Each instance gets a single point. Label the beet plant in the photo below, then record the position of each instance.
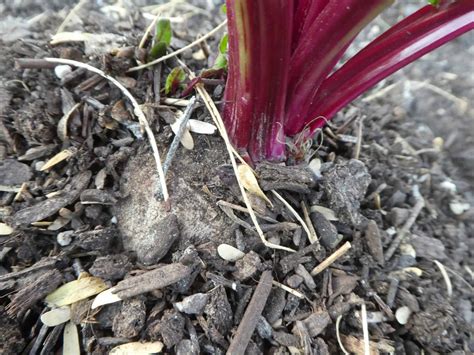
(281, 82)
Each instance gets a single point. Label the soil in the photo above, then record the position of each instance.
(97, 211)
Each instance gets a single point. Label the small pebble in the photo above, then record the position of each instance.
(458, 208)
(403, 315)
(62, 70)
(326, 231)
(65, 238)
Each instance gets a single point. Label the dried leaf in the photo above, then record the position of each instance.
(5, 229)
(62, 155)
(137, 348)
(71, 344)
(56, 316)
(106, 297)
(249, 181)
(229, 253)
(75, 291)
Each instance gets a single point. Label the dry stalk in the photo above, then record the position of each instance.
(312, 237)
(331, 258)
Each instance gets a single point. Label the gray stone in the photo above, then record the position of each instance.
(161, 237)
(325, 230)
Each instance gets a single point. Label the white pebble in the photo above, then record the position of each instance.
(458, 208)
(403, 315)
(62, 70)
(229, 253)
(65, 238)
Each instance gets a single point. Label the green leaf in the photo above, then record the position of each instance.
(158, 50)
(224, 9)
(223, 43)
(174, 80)
(434, 2)
(221, 62)
(163, 32)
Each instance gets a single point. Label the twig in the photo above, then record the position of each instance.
(70, 14)
(312, 237)
(33, 63)
(365, 329)
(405, 229)
(181, 50)
(308, 222)
(224, 203)
(136, 109)
(447, 280)
(177, 138)
(214, 112)
(252, 314)
(331, 258)
(290, 290)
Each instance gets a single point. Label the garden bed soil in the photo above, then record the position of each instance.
(404, 206)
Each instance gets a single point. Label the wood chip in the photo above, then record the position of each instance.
(252, 314)
(61, 156)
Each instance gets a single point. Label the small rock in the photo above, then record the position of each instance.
(247, 266)
(344, 186)
(325, 230)
(131, 319)
(111, 267)
(398, 216)
(99, 240)
(14, 173)
(402, 315)
(458, 208)
(308, 279)
(294, 281)
(407, 255)
(193, 304)
(65, 238)
(162, 235)
(374, 242)
(317, 322)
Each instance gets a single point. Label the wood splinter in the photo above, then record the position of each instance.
(252, 314)
(331, 258)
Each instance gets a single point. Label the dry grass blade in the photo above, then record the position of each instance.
(136, 109)
(148, 30)
(71, 13)
(181, 50)
(365, 329)
(447, 280)
(214, 112)
(289, 290)
(311, 236)
(338, 335)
